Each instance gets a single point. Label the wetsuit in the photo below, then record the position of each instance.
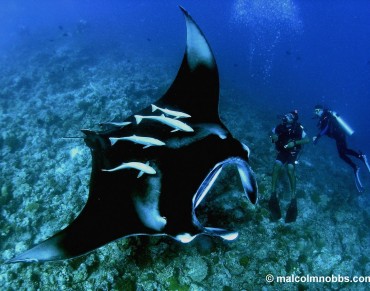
(329, 126)
(287, 133)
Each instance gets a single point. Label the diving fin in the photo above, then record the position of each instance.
(274, 207)
(364, 159)
(291, 214)
(358, 183)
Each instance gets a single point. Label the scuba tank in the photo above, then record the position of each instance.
(347, 129)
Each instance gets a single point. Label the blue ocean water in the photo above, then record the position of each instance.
(66, 65)
(309, 53)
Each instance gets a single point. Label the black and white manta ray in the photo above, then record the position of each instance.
(150, 172)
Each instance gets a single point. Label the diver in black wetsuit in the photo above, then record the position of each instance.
(329, 125)
(288, 137)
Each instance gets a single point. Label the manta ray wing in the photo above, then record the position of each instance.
(120, 204)
(196, 87)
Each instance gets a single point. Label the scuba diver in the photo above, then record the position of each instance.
(332, 125)
(288, 138)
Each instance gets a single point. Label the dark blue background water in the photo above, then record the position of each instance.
(280, 55)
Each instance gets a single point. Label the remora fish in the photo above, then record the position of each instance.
(176, 124)
(176, 114)
(146, 141)
(143, 168)
(119, 205)
(115, 124)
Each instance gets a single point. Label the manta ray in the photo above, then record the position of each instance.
(136, 190)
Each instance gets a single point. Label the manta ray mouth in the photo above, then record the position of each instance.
(249, 187)
(246, 177)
